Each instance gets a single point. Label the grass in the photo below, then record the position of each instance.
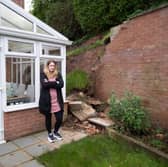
(100, 151)
(82, 49)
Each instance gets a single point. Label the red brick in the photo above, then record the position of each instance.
(19, 2)
(137, 60)
(24, 122)
(20, 123)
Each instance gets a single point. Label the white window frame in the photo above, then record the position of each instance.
(1, 92)
(37, 55)
(52, 45)
(61, 58)
(23, 55)
(9, 53)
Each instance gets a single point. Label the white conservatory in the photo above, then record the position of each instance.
(26, 43)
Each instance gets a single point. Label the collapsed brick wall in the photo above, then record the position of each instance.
(137, 60)
(19, 2)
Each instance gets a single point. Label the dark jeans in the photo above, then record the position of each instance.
(48, 122)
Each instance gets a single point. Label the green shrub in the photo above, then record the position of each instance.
(77, 80)
(157, 143)
(75, 18)
(59, 14)
(96, 16)
(129, 111)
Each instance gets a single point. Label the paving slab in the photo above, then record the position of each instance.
(1, 165)
(79, 136)
(83, 112)
(67, 133)
(40, 133)
(21, 152)
(14, 159)
(66, 141)
(55, 145)
(7, 148)
(101, 121)
(75, 105)
(37, 149)
(26, 141)
(32, 163)
(41, 136)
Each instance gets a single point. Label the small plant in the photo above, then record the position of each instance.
(158, 130)
(157, 143)
(129, 111)
(77, 80)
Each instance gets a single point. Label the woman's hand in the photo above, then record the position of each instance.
(45, 80)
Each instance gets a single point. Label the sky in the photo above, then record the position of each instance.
(28, 5)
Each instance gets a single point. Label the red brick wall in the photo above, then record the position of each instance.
(20, 123)
(137, 60)
(19, 2)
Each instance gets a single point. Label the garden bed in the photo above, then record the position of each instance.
(116, 135)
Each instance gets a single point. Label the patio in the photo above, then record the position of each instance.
(21, 152)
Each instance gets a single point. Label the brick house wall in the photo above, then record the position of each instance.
(20, 123)
(25, 122)
(137, 60)
(19, 2)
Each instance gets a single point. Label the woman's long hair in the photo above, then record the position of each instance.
(48, 73)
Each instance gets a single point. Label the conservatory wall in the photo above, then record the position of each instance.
(22, 61)
(26, 44)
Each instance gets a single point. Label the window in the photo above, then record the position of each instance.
(41, 31)
(13, 20)
(20, 80)
(51, 50)
(23, 63)
(23, 47)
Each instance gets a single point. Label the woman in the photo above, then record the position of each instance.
(51, 100)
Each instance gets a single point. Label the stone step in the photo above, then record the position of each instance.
(101, 121)
(75, 105)
(81, 110)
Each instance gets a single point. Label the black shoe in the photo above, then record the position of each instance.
(57, 136)
(51, 138)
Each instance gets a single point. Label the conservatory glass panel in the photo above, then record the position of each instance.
(13, 20)
(22, 47)
(51, 50)
(20, 80)
(41, 31)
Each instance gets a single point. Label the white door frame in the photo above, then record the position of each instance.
(1, 89)
(1, 120)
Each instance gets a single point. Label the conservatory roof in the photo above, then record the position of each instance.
(15, 21)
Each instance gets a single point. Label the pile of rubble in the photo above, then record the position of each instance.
(87, 114)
